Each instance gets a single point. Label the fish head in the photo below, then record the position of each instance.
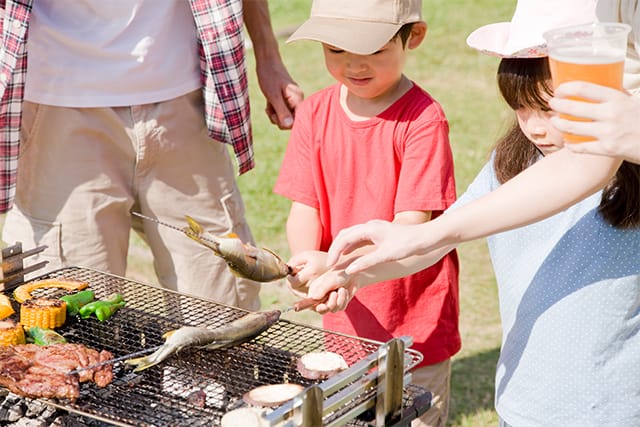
(272, 316)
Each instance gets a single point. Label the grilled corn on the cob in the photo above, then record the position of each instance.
(43, 312)
(11, 333)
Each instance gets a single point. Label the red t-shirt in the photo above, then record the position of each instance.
(355, 171)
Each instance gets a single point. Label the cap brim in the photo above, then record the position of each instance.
(362, 38)
(493, 40)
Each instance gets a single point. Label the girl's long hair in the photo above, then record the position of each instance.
(527, 83)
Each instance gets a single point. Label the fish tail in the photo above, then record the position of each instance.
(194, 226)
(195, 231)
(144, 362)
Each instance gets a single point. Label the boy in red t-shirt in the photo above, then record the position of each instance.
(374, 146)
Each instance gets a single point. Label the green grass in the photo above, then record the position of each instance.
(463, 81)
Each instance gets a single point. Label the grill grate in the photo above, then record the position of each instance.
(194, 385)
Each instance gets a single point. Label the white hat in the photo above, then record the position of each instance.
(522, 37)
(357, 26)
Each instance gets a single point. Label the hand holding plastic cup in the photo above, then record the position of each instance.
(593, 52)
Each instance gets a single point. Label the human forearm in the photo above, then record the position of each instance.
(544, 189)
(551, 185)
(304, 233)
(258, 23)
(340, 287)
(304, 230)
(282, 93)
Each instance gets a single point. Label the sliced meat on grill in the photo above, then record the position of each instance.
(67, 357)
(103, 375)
(33, 371)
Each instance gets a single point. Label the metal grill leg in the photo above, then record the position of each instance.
(312, 407)
(390, 382)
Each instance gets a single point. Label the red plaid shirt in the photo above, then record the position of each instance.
(223, 72)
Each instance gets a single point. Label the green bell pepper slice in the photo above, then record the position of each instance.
(103, 309)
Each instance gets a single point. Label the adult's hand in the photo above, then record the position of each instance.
(283, 95)
(392, 242)
(614, 119)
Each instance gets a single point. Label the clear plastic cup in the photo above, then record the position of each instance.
(593, 52)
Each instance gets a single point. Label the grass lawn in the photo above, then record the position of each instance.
(463, 81)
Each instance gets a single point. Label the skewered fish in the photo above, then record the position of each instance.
(233, 333)
(245, 260)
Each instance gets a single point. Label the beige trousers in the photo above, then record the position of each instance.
(435, 378)
(82, 170)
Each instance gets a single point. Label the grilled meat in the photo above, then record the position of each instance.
(33, 371)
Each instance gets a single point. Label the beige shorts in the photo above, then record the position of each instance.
(435, 378)
(82, 170)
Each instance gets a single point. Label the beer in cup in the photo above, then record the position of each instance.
(592, 52)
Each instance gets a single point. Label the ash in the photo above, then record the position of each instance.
(16, 411)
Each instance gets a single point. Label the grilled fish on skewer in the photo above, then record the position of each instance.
(244, 260)
(234, 333)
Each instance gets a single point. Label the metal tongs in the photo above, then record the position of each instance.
(115, 360)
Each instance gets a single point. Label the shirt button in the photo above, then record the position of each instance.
(16, 24)
(3, 78)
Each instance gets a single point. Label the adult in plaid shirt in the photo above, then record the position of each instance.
(115, 107)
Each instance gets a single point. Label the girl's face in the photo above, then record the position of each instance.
(536, 125)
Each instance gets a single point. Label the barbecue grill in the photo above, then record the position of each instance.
(199, 386)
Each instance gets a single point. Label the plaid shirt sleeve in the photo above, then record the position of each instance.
(222, 63)
(13, 68)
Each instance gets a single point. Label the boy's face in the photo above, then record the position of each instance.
(536, 125)
(367, 76)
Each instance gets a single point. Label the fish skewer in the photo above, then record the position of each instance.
(244, 260)
(306, 303)
(233, 333)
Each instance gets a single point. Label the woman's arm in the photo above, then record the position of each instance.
(546, 188)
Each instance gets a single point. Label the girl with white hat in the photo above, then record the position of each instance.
(568, 285)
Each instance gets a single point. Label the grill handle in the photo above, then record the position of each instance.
(13, 269)
(388, 379)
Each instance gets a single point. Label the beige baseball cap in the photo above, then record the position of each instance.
(357, 26)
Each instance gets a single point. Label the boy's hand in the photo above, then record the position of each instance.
(340, 287)
(306, 265)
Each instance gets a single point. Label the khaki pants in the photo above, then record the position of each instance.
(82, 170)
(435, 378)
